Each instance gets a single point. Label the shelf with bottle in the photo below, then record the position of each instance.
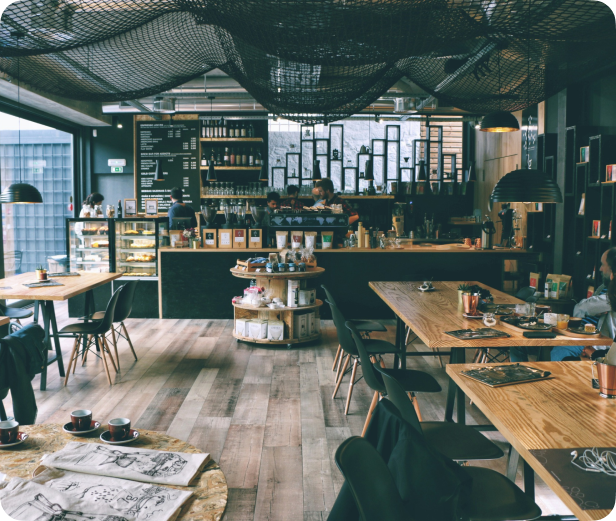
(232, 139)
(232, 158)
(226, 129)
(233, 167)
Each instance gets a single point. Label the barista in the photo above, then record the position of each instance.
(94, 199)
(180, 209)
(292, 199)
(325, 189)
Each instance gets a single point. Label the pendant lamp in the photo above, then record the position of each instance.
(526, 186)
(369, 170)
(316, 171)
(211, 173)
(158, 171)
(501, 120)
(263, 174)
(20, 193)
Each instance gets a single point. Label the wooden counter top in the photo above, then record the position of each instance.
(444, 248)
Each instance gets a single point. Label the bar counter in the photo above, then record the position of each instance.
(198, 283)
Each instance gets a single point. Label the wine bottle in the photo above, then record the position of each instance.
(251, 158)
(203, 127)
(226, 157)
(203, 159)
(244, 157)
(119, 208)
(251, 130)
(223, 127)
(258, 159)
(232, 157)
(243, 131)
(231, 129)
(219, 158)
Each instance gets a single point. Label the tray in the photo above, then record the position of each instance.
(500, 375)
(477, 334)
(513, 323)
(243, 265)
(575, 333)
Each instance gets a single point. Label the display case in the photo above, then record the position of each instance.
(136, 246)
(89, 245)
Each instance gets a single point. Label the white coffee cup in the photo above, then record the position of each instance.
(550, 319)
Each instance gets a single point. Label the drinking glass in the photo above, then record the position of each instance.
(563, 321)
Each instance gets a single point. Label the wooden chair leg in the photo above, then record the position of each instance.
(339, 381)
(340, 358)
(85, 353)
(130, 344)
(336, 357)
(375, 400)
(102, 351)
(115, 347)
(105, 347)
(416, 405)
(71, 360)
(351, 383)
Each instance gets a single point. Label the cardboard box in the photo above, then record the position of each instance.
(534, 280)
(209, 238)
(255, 238)
(225, 238)
(275, 330)
(300, 326)
(313, 296)
(239, 238)
(258, 329)
(293, 293)
(242, 327)
(304, 297)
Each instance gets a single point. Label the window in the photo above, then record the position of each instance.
(41, 156)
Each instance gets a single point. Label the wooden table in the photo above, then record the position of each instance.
(560, 413)
(13, 288)
(209, 490)
(432, 313)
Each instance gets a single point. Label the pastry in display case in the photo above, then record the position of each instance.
(136, 246)
(89, 245)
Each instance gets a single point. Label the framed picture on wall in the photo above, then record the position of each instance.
(130, 207)
(151, 207)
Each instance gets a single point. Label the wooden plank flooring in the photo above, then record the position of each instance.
(265, 414)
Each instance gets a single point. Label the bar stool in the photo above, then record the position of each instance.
(95, 332)
(364, 326)
(411, 381)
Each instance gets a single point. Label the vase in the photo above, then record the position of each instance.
(195, 244)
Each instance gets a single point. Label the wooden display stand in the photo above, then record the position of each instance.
(276, 283)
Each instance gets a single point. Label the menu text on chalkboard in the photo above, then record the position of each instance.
(176, 145)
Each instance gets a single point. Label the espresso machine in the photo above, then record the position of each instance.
(397, 219)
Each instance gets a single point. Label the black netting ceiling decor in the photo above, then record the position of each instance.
(311, 60)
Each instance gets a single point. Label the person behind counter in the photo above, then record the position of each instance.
(292, 199)
(180, 209)
(273, 202)
(325, 188)
(94, 199)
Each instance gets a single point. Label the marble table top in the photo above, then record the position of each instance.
(209, 490)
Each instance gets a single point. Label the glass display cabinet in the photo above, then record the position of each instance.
(136, 246)
(89, 245)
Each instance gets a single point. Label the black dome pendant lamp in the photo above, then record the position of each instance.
(501, 120)
(20, 193)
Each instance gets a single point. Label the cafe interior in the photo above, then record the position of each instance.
(307, 261)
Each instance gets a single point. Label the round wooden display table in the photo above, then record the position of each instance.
(276, 284)
(210, 492)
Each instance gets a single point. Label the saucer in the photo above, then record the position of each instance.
(424, 289)
(132, 436)
(68, 428)
(21, 437)
(465, 315)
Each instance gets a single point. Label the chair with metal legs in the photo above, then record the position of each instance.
(122, 312)
(374, 347)
(411, 381)
(455, 441)
(364, 326)
(95, 333)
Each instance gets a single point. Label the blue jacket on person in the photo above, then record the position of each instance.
(178, 209)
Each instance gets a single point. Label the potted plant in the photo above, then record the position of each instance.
(462, 288)
(191, 235)
(41, 273)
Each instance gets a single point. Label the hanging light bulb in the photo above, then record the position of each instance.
(20, 193)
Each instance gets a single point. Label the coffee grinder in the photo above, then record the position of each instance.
(255, 234)
(208, 231)
(397, 219)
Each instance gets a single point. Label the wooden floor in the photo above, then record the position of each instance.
(265, 414)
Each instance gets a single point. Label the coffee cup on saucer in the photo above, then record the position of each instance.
(9, 430)
(81, 419)
(119, 428)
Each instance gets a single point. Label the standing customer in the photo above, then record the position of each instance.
(180, 209)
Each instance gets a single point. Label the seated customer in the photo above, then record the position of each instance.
(325, 188)
(292, 199)
(593, 310)
(180, 209)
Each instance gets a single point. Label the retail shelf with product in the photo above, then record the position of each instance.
(136, 243)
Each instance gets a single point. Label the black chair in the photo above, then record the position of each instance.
(374, 348)
(492, 496)
(364, 326)
(410, 380)
(122, 312)
(526, 294)
(455, 441)
(95, 335)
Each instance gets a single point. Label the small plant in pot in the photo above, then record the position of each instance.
(41, 273)
(462, 288)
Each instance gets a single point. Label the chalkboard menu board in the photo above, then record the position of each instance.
(176, 144)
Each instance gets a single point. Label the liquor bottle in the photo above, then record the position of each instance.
(203, 159)
(226, 157)
(258, 159)
(251, 158)
(223, 127)
(243, 130)
(244, 157)
(251, 130)
(219, 158)
(119, 208)
(203, 127)
(212, 158)
(232, 157)
(231, 129)
(206, 129)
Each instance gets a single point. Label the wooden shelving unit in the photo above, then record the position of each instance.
(277, 285)
(231, 139)
(233, 167)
